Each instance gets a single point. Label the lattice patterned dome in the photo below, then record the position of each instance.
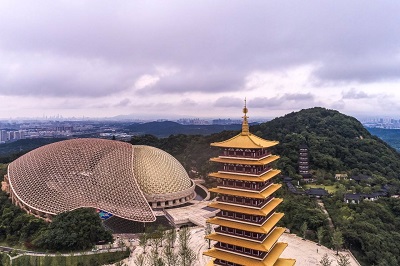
(110, 175)
(168, 177)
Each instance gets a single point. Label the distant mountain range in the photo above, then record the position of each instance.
(167, 128)
(390, 136)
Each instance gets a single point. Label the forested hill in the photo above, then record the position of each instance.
(337, 143)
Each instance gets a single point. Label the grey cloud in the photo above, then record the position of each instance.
(338, 105)
(188, 103)
(100, 105)
(227, 101)
(47, 75)
(266, 102)
(215, 44)
(381, 67)
(297, 100)
(124, 102)
(354, 94)
(298, 96)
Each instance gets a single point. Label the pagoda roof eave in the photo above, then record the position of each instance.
(261, 212)
(245, 141)
(263, 229)
(284, 262)
(256, 195)
(265, 177)
(242, 161)
(270, 260)
(265, 246)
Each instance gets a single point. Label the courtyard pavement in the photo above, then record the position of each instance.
(306, 253)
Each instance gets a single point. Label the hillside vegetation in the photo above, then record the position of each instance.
(12, 150)
(338, 144)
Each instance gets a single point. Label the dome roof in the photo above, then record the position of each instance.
(110, 175)
(158, 172)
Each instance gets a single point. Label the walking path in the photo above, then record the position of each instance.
(322, 206)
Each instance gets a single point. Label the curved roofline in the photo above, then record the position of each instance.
(12, 190)
(245, 141)
(129, 209)
(173, 195)
(14, 193)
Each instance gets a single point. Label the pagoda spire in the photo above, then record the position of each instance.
(245, 124)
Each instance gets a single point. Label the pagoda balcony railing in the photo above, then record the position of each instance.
(244, 170)
(246, 155)
(246, 218)
(242, 234)
(245, 202)
(241, 251)
(303, 154)
(250, 186)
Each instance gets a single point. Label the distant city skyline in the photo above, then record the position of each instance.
(179, 59)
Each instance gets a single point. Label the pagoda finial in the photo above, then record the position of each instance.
(245, 124)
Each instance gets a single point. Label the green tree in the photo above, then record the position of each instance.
(155, 259)
(140, 260)
(208, 231)
(75, 230)
(156, 238)
(143, 240)
(186, 254)
(320, 234)
(303, 229)
(343, 260)
(169, 255)
(170, 237)
(325, 261)
(337, 240)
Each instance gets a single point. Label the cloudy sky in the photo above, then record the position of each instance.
(184, 58)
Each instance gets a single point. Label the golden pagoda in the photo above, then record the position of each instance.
(246, 232)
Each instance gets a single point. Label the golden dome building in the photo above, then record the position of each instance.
(128, 181)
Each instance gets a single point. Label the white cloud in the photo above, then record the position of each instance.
(146, 81)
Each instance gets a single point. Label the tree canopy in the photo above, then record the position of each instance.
(75, 230)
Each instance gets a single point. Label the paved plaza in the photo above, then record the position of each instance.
(197, 214)
(306, 253)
